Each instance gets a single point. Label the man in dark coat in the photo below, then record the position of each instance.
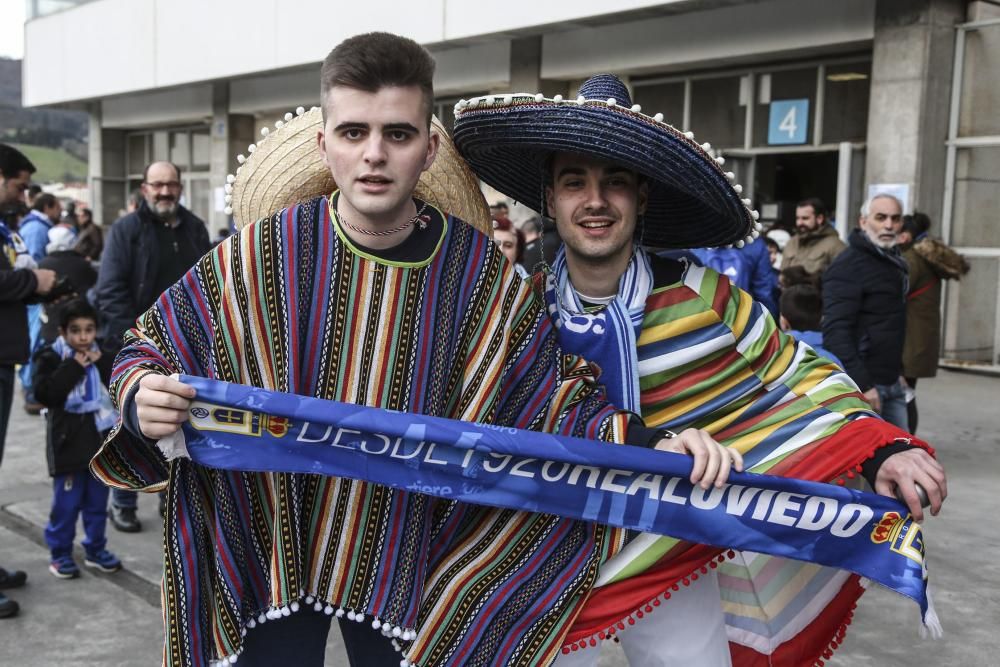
(864, 307)
(20, 281)
(145, 252)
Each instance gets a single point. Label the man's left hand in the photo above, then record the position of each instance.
(904, 469)
(712, 461)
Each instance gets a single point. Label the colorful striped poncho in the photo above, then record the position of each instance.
(290, 304)
(709, 357)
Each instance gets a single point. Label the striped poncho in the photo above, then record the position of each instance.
(710, 357)
(290, 304)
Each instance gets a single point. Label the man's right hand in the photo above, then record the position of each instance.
(46, 279)
(162, 404)
(872, 397)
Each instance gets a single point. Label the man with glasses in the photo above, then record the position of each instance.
(146, 252)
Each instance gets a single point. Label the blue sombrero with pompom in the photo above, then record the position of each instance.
(693, 201)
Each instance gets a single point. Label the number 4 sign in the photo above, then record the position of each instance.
(788, 122)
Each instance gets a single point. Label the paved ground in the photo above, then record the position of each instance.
(111, 620)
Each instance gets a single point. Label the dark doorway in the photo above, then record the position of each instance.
(783, 180)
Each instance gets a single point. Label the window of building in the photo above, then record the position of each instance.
(846, 89)
(716, 113)
(785, 86)
(714, 105)
(666, 98)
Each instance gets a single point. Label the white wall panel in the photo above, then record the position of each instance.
(111, 47)
(304, 31)
(100, 48)
(199, 41)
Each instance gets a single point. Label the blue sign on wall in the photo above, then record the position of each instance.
(788, 122)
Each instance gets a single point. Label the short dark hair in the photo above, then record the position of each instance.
(376, 60)
(802, 306)
(34, 190)
(13, 162)
(145, 172)
(44, 201)
(77, 309)
(917, 224)
(797, 275)
(818, 207)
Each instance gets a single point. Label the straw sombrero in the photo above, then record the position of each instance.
(693, 201)
(284, 168)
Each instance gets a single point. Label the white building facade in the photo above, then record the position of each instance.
(804, 97)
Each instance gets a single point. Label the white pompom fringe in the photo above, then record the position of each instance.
(932, 624)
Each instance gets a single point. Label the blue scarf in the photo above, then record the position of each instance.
(606, 337)
(236, 427)
(89, 395)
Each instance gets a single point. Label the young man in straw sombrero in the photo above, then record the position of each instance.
(363, 288)
(680, 346)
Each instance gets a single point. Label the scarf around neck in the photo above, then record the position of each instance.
(89, 395)
(607, 336)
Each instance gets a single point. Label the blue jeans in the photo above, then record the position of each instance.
(123, 499)
(74, 494)
(893, 397)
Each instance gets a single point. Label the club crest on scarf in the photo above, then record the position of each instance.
(205, 417)
(903, 535)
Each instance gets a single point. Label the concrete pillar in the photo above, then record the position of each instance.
(912, 62)
(230, 135)
(526, 69)
(106, 175)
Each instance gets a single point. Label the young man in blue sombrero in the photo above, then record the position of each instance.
(679, 345)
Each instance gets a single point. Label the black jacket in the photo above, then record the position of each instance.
(125, 285)
(864, 311)
(75, 268)
(16, 288)
(544, 247)
(71, 439)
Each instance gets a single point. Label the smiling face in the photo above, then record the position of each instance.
(376, 145)
(883, 222)
(80, 333)
(595, 204)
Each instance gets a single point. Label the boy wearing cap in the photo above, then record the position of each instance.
(370, 295)
(679, 345)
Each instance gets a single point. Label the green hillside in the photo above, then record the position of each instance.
(54, 166)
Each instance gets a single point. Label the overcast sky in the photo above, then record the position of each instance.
(12, 28)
